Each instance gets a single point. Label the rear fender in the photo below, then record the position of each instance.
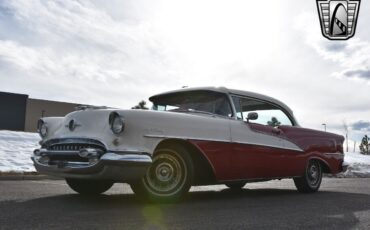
(324, 164)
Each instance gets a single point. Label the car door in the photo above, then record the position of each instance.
(260, 149)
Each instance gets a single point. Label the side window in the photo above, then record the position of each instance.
(268, 114)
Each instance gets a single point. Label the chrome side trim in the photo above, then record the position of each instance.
(182, 137)
(270, 146)
(237, 142)
(334, 154)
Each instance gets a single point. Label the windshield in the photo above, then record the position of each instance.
(194, 101)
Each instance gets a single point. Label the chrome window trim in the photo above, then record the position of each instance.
(287, 113)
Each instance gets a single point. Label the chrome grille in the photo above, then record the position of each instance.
(73, 144)
(68, 149)
(74, 147)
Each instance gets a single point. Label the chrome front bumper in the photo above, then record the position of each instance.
(120, 167)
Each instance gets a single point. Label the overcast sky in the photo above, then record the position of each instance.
(116, 54)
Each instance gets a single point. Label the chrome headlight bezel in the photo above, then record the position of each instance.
(42, 128)
(116, 123)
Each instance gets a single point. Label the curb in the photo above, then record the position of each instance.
(26, 176)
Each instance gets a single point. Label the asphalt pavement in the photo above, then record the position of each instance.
(50, 204)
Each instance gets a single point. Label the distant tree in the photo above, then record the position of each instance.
(274, 122)
(141, 105)
(365, 145)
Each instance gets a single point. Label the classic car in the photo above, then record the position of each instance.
(191, 136)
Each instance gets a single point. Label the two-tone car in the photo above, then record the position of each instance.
(191, 136)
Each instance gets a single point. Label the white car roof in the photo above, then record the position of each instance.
(229, 91)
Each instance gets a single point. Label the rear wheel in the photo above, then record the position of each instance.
(89, 187)
(169, 177)
(235, 185)
(311, 180)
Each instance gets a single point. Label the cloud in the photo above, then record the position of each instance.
(80, 45)
(361, 126)
(360, 73)
(119, 53)
(336, 47)
(74, 51)
(353, 56)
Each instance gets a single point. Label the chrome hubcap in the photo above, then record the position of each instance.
(164, 172)
(313, 173)
(166, 175)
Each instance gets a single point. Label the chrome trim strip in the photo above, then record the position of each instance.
(271, 146)
(127, 158)
(334, 154)
(181, 137)
(237, 142)
(58, 152)
(68, 164)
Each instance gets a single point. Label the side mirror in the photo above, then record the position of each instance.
(252, 116)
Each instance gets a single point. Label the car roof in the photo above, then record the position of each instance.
(228, 91)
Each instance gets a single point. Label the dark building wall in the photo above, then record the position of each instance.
(42, 108)
(13, 111)
(20, 113)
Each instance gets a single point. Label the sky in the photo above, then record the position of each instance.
(117, 54)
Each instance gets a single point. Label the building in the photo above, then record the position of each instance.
(13, 111)
(21, 113)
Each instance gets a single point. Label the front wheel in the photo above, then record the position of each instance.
(169, 177)
(311, 180)
(89, 187)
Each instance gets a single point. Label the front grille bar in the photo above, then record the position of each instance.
(73, 147)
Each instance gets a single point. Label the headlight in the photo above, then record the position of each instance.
(42, 129)
(117, 123)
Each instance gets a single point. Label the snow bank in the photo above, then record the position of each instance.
(359, 165)
(16, 149)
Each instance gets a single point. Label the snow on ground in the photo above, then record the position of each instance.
(16, 149)
(359, 165)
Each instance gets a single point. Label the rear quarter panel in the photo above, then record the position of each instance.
(324, 146)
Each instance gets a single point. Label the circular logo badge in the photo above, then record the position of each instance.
(72, 125)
